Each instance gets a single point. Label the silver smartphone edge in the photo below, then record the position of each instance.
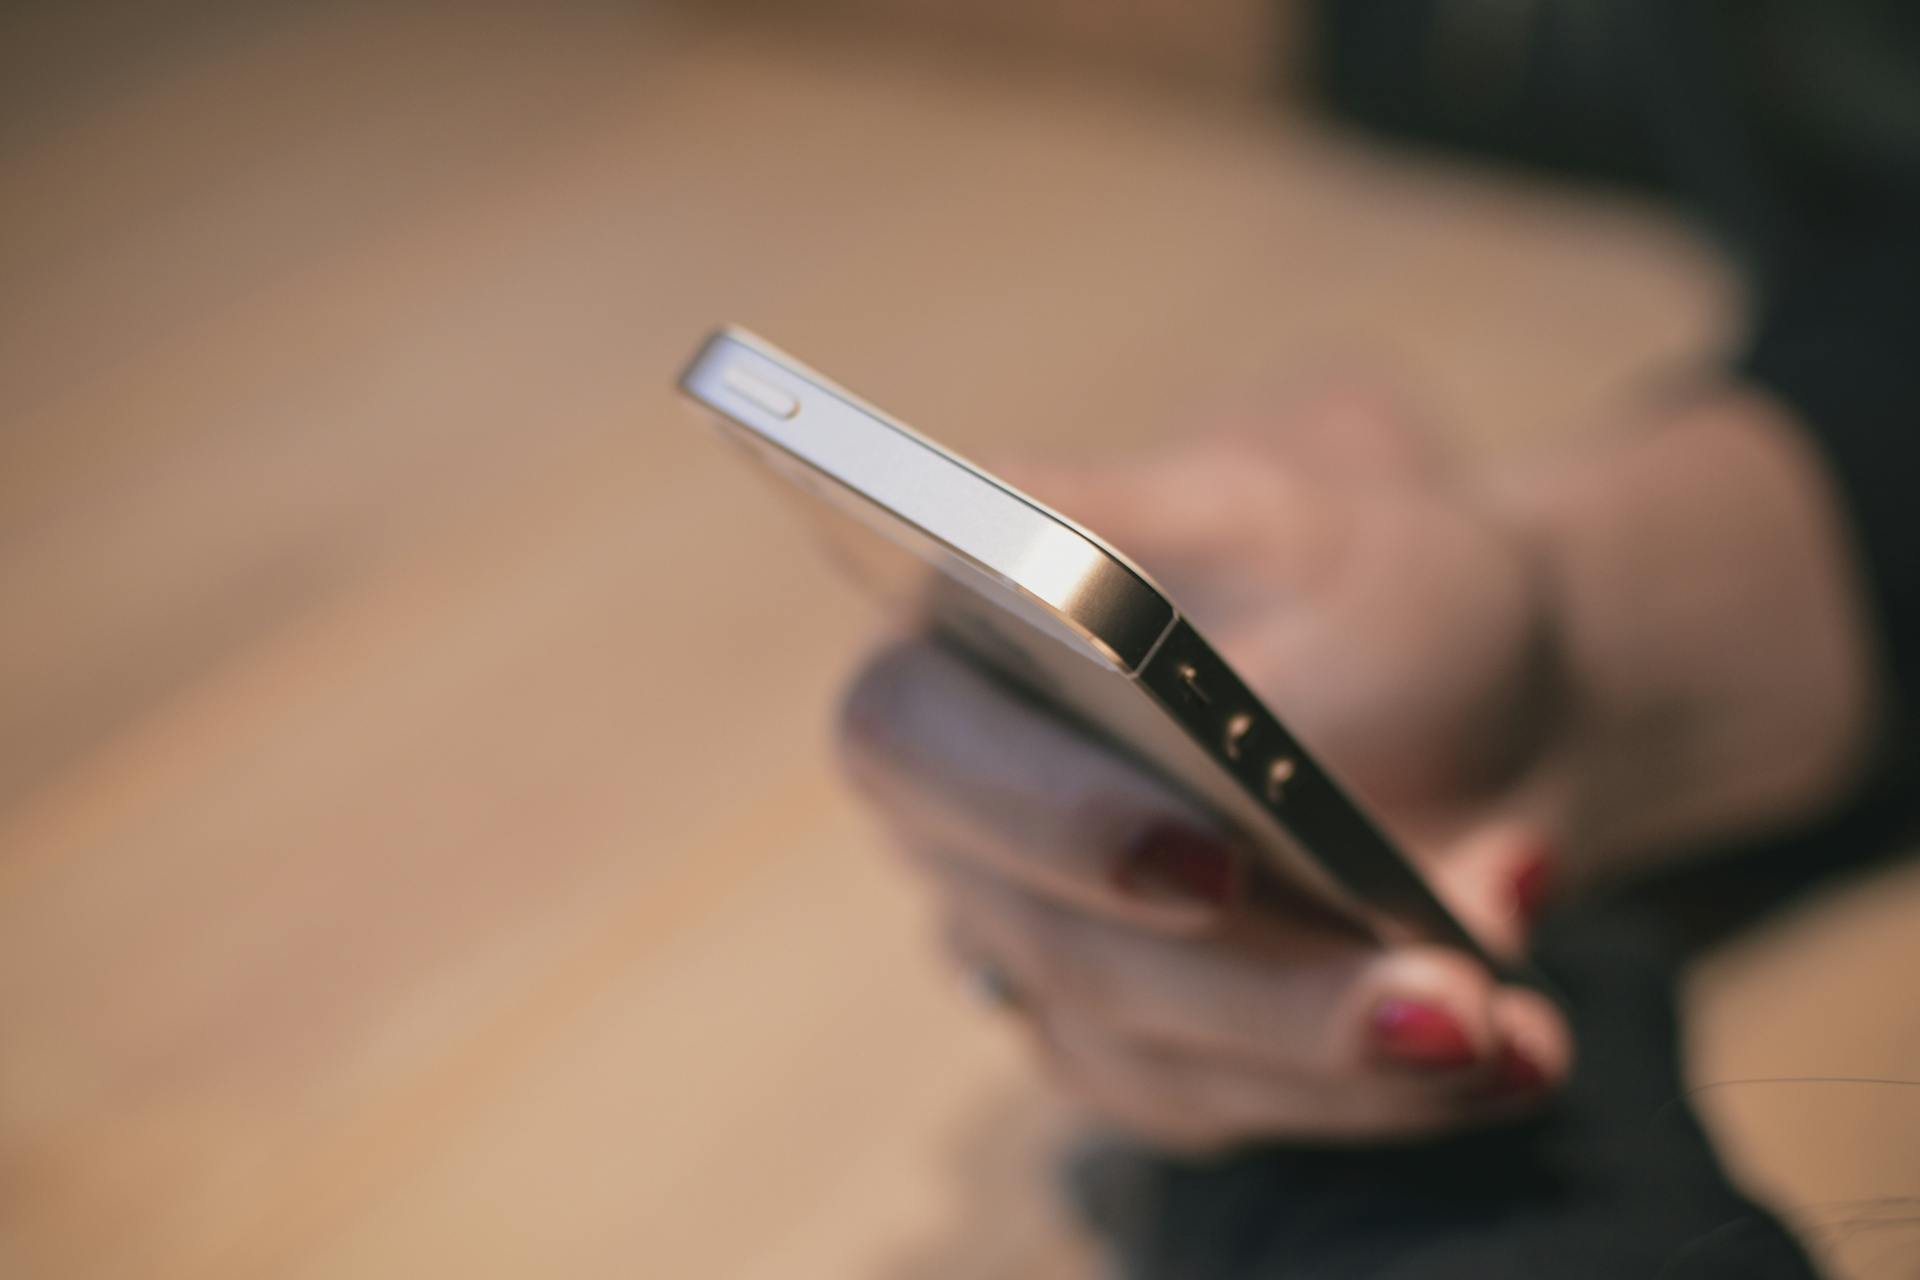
(1090, 586)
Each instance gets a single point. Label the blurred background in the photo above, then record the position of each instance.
(418, 850)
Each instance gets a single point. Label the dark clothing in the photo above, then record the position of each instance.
(1792, 131)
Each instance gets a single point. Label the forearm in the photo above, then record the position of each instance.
(1718, 659)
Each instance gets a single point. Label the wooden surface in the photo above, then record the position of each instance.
(418, 854)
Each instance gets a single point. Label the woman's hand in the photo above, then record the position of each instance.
(1400, 632)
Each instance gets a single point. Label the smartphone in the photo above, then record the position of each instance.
(1043, 603)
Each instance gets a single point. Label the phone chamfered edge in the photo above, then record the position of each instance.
(1112, 603)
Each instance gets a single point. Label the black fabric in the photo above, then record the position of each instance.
(1840, 344)
(1791, 130)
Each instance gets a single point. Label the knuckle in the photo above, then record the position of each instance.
(1347, 399)
(870, 703)
(1070, 1079)
(1233, 446)
(1167, 1104)
(1179, 1129)
(1136, 1096)
(1068, 1067)
(1057, 953)
(1102, 823)
(872, 725)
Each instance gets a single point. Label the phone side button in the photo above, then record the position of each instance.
(1239, 724)
(1279, 774)
(760, 393)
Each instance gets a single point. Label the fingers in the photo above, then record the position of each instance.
(953, 759)
(1202, 505)
(1273, 1026)
(1264, 458)
(1277, 995)
(1202, 1105)
(1348, 429)
(1119, 914)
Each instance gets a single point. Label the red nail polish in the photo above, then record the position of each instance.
(1515, 1074)
(1532, 884)
(1420, 1034)
(1174, 861)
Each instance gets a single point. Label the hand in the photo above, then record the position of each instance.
(1400, 634)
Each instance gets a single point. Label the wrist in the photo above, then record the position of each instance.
(1708, 622)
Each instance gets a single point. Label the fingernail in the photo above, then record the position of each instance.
(1420, 1034)
(1532, 884)
(1515, 1073)
(1174, 862)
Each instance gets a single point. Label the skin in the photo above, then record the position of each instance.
(1587, 663)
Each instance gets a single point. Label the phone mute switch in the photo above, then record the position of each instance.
(760, 393)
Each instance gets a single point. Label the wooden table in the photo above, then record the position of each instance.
(418, 853)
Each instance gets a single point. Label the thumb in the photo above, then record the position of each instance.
(1210, 505)
(1343, 429)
